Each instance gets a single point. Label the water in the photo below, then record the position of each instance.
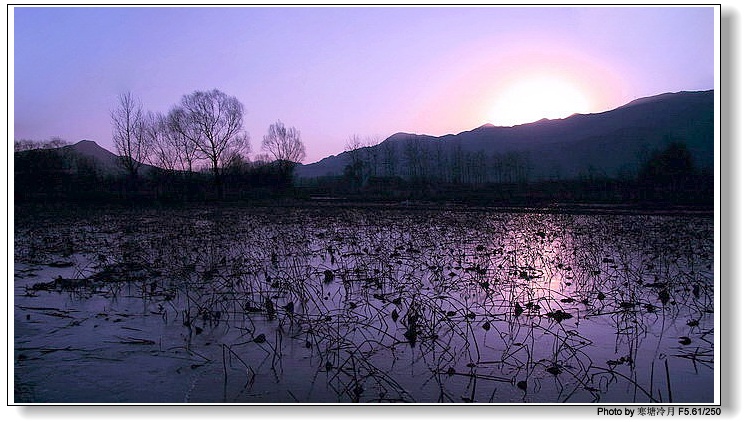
(363, 305)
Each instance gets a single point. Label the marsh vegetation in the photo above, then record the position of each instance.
(346, 304)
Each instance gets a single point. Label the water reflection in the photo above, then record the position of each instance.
(429, 306)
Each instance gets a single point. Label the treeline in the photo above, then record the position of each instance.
(49, 172)
(199, 151)
(53, 171)
(205, 129)
(418, 171)
(424, 161)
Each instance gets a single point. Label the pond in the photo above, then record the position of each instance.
(328, 305)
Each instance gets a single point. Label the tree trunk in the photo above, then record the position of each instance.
(217, 182)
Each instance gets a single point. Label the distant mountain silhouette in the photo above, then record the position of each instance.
(105, 161)
(611, 143)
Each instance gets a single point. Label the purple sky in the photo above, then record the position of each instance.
(335, 72)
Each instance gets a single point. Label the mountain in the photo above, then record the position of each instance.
(104, 160)
(612, 143)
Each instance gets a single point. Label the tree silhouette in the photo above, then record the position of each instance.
(212, 122)
(129, 134)
(354, 172)
(284, 144)
(668, 173)
(671, 164)
(286, 147)
(163, 150)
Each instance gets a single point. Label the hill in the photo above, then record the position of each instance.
(105, 161)
(614, 143)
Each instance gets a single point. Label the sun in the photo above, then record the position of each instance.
(531, 98)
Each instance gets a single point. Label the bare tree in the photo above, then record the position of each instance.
(390, 158)
(163, 148)
(213, 122)
(355, 171)
(497, 165)
(456, 163)
(286, 147)
(354, 145)
(284, 144)
(440, 163)
(30, 144)
(417, 158)
(262, 159)
(373, 153)
(128, 133)
(178, 128)
(25, 145)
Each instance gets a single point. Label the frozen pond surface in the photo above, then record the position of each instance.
(363, 305)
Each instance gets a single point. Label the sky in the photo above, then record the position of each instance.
(335, 72)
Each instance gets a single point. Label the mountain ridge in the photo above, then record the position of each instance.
(611, 142)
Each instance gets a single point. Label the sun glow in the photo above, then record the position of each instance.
(531, 98)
